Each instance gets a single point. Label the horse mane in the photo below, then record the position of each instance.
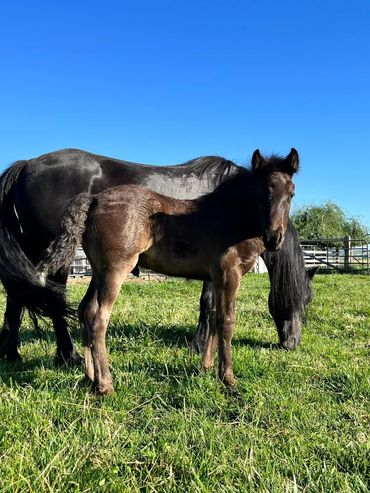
(234, 178)
(220, 166)
(272, 163)
(290, 287)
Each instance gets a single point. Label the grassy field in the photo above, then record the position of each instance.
(297, 422)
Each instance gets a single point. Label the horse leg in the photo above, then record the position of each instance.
(108, 291)
(211, 337)
(206, 318)
(209, 350)
(9, 334)
(86, 313)
(226, 290)
(66, 351)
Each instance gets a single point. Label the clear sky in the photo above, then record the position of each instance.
(165, 81)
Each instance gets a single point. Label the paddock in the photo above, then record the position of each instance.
(298, 421)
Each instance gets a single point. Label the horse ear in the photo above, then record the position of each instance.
(257, 160)
(311, 272)
(292, 161)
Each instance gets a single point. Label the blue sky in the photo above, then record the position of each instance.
(162, 82)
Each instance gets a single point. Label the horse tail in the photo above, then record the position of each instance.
(61, 251)
(18, 274)
(16, 269)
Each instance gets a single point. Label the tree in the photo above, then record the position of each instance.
(326, 221)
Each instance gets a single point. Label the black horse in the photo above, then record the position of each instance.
(35, 193)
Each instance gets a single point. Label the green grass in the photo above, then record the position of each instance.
(297, 422)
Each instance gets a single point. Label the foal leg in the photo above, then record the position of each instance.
(208, 356)
(206, 318)
(86, 313)
(9, 334)
(211, 337)
(226, 289)
(108, 291)
(66, 351)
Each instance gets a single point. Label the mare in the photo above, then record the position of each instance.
(216, 238)
(34, 194)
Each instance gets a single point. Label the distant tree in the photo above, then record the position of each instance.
(326, 221)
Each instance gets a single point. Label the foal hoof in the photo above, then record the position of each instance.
(103, 388)
(228, 379)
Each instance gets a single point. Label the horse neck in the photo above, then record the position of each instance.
(233, 206)
(234, 195)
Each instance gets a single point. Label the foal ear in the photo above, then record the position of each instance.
(257, 160)
(292, 161)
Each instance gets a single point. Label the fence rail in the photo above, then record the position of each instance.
(337, 254)
(332, 254)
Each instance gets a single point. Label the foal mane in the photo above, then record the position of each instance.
(233, 179)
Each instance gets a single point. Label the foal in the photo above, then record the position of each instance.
(216, 237)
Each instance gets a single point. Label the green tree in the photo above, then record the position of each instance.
(326, 221)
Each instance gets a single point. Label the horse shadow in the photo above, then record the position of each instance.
(179, 336)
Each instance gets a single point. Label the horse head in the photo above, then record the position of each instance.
(275, 193)
(289, 320)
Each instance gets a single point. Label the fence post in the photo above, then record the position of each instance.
(347, 252)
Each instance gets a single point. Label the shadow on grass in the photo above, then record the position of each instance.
(176, 336)
(24, 373)
(256, 344)
(169, 335)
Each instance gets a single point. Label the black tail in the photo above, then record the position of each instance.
(18, 274)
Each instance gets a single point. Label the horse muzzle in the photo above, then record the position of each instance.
(290, 333)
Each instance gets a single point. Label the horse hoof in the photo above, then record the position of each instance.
(196, 346)
(89, 378)
(103, 388)
(71, 359)
(228, 379)
(207, 366)
(13, 357)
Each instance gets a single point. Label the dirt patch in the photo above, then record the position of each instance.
(141, 279)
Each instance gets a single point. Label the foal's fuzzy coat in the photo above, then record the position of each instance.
(216, 237)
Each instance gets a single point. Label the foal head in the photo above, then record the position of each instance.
(275, 193)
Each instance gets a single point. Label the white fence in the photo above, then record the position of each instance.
(80, 266)
(343, 255)
(338, 254)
